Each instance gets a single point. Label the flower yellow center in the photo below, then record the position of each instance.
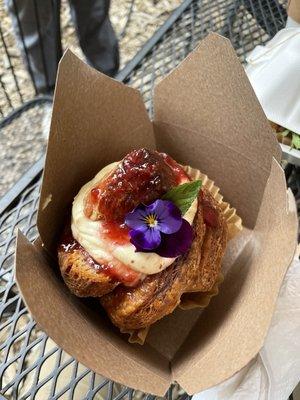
(151, 220)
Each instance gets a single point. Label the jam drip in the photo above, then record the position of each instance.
(210, 214)
(142, 177)
(179, 172)
(115, 233)
(117, 273)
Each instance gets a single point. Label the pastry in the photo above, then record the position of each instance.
(142, 234)
(159, 294)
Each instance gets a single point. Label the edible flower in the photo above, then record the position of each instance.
(159, 228)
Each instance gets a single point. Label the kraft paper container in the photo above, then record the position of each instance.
(294, 10)
(205, 115)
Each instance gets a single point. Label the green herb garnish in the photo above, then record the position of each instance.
(183, 195)
(295, 140)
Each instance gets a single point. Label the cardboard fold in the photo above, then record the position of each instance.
(206, 116)
(195, 97)
(95, 121)
(80, 331)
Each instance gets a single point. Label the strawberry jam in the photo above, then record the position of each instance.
(117, 271)
(180, 173)
(67, 243)
(142, 177)
(210, 214)
(116, 233)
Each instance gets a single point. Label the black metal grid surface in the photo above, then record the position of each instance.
(247, 23)
(18, 85)
(31, 365)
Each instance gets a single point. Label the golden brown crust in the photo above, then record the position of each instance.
(81, 274)
(159, 294)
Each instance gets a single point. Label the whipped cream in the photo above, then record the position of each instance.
(105, 251)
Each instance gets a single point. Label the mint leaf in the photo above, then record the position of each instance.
(183, 195)
(296, 141)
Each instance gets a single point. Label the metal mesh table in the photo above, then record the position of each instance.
(31, 365)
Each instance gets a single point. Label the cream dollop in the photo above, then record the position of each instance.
(103, 250)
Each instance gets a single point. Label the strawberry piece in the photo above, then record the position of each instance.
(142, 177)
(210, 216)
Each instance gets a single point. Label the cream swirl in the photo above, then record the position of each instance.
(90, 234)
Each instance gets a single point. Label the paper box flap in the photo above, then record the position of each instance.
(211, 81)
(294, 10)
(85, 334)
(233, 328)
(95, 120)
(209, 96)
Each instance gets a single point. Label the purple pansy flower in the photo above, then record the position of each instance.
(160, 228)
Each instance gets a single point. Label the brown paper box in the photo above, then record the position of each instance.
(207, 116)
(294, 10)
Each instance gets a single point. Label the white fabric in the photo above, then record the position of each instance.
(275, 371)
(291, 23)
(274, 72)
